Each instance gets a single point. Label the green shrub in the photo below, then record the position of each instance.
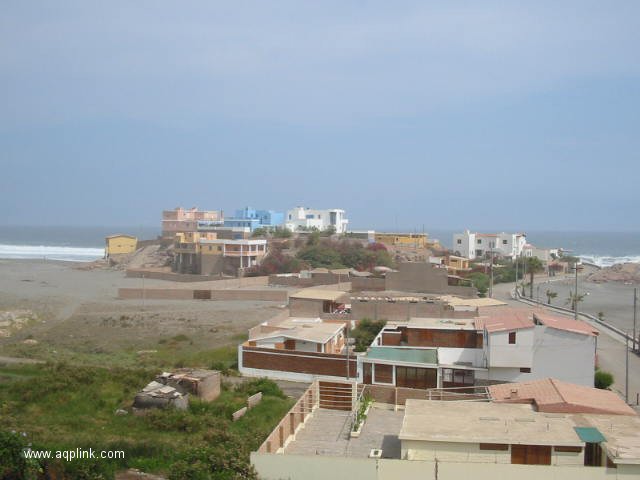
(603, 380)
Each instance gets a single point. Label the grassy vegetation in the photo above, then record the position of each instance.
(63, 407)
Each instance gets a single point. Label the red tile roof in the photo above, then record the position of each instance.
(499, 319)
(564, 323)
(554, 396)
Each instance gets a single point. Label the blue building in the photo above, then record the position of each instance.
(252, 218)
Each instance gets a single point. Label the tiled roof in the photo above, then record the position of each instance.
(567, 324)
(554, 396)
(502, 319)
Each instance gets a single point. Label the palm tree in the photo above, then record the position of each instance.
(535, 265)
(550, 295)
(574, 299)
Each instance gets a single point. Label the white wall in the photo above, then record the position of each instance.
(318, 467)
(306, 346)
(449, 356)
(503, 354)
(567, 356)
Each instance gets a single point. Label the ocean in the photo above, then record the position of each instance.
(85, 244)
(72, 244)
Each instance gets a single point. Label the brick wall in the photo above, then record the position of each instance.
(443, 338)
(298, 362)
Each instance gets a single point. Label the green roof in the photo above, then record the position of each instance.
(409, 355)
(589, 434)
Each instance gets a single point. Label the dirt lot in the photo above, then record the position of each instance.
(79, 318)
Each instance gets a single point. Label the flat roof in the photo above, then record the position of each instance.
(438, 323)
(472, 302)
(483, 422)
(233, 242)
(318, 294)
(317, 333)
(403, 354)
(552, 395)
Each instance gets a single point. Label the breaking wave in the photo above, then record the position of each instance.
(69, 254)
(607, 261)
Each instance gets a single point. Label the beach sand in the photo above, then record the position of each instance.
(79, 317)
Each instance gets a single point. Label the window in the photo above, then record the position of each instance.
(459, 241)
(504, 242)
(525, 369)
(512, 338)
(479, 241)
(494, 446)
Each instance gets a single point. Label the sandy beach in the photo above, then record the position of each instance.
(79, 317)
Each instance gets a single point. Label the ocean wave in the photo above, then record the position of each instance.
(69, 254)
(607, 261)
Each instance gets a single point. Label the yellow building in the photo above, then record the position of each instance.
(457, 264)
(416, 240)
(119, 244)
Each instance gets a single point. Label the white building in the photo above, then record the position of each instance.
(473, 245)
(545, 255)
(301, 218)
(501, 345)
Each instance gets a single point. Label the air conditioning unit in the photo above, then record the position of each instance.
(375, 453)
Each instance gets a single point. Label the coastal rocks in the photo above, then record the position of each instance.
(12, 321)
(622, 272)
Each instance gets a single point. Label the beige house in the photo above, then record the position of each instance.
(495, 433)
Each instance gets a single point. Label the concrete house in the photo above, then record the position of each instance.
(120, 244)
(494, 433)
(204, 254)
(188, 220)
(477, 245)
(251, 218)
(301, 218)
(500, 345)
(314, 302)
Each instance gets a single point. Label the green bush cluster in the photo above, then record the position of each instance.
(63, 407)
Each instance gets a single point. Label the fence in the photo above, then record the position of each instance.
(398, 396)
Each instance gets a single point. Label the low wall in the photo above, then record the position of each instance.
(291, 422)
(311, 363)
(318, 467)
(399, 395)
(186, 277)
(191, 294)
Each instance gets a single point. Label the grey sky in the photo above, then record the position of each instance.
(454, 114)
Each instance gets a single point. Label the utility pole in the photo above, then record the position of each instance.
(491, 277)
(346, 345)
(635, 312)
(575, 299)
(626, 370)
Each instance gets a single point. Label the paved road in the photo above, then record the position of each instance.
(611, 349)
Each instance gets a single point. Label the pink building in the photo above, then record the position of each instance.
(191, 220)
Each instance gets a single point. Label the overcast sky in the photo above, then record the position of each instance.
(487, 115)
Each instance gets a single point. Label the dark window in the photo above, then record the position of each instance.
(383, 373)
(494, 446)
(479, 241)
(592, 455)
(459, 241)
(504, 242)
(512, 338)
(525, 369)
(568, 449)
(531, 454)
